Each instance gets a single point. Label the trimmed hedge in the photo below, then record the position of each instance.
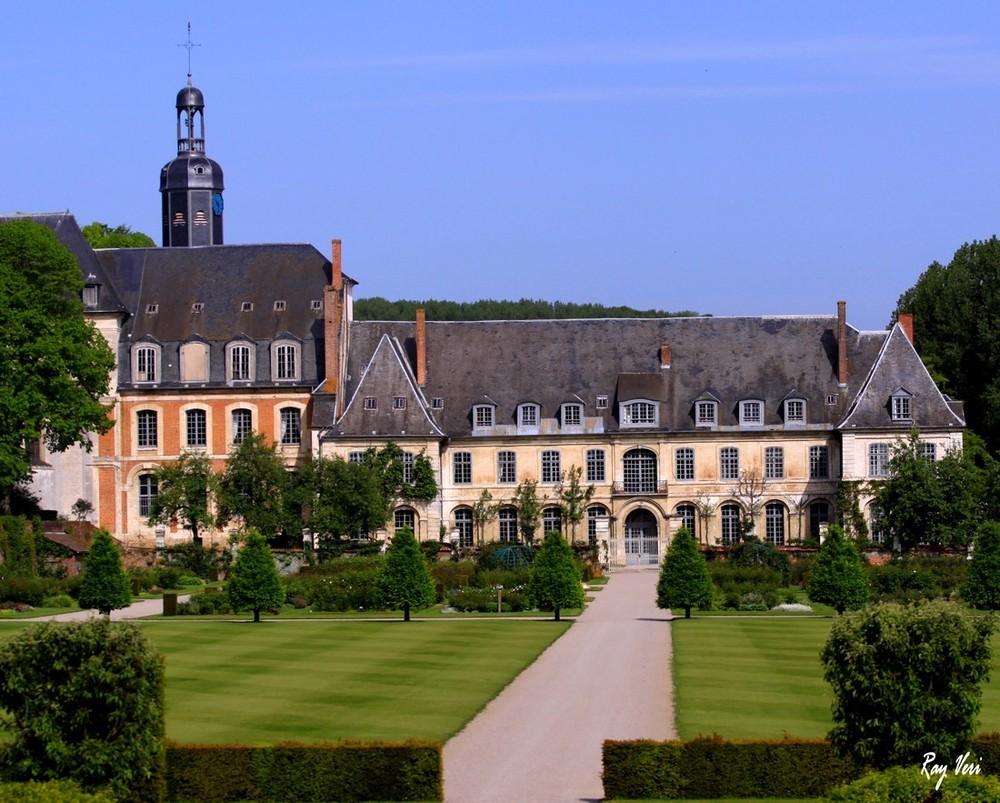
(344, 771)
(712, 767)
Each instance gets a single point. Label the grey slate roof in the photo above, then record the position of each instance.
(554, 361)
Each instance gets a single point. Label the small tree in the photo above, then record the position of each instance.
(183, 489)
(749, 489)
(344, 499)
(573, 498)
(684, 579)
(84, 701)
(105, 585)
(906, 680)
(81, 509)
(981, 588)
(483, 512)
(838, 578)
(529, 509)
(554, 578)
(254, 583)
(405, 580)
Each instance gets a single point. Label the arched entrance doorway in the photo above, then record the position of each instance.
(641, 540)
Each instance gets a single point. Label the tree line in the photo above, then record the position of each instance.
(377, 308)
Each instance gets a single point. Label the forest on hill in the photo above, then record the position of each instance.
(526, 309)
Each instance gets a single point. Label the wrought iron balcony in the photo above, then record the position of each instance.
(639, 488)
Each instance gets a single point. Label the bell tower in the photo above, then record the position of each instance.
(191, 185)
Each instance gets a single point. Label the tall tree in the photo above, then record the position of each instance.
(254, 583)
(254, 488)
(183, 490)
(345, 500)
(684, 579)
(981, 588)
(101, 235)
(573, 498)
(105, 585)
(405, 582)
(838, 578)
(54, 365)
(554, 577)
(529, 509)
(956, 316)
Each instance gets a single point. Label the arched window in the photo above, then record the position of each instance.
(876, 526)
(597, 524)
(688, 514)
(730, 524)
(463, 523)
(774, 523)
(551, 520)
(240, 364)
(508, 524)
(285, 360)
(148, 488)
(404, 519)
(639, 471)
(819, 513)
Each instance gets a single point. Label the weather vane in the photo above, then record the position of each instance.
(189, 45)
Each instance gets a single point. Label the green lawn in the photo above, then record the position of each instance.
(760, 678)
(309, 681)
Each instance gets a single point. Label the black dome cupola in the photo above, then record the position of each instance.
(191, 185)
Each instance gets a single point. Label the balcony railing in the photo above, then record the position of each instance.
(639, 488)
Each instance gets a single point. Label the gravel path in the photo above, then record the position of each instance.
(143, 607)
(607, 677)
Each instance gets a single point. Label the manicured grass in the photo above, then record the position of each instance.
(760, 678)
(309, 681)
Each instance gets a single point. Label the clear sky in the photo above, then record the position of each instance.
(733, 158)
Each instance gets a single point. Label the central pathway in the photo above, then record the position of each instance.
(607, 677)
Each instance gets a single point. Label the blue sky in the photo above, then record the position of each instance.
(733, 158)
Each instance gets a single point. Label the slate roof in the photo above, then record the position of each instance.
(554, 361)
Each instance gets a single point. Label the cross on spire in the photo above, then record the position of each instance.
(189, 45)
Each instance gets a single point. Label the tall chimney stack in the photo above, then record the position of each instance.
(842, 343)
(905, 320)
(421, 347)
(333, 309)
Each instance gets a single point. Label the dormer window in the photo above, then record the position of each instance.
(279, 306)
(315, 305)
(246, 306)
(240, 363)
(639, 413)
(284, 360)
(795, 412)
(706, 413)
(91, 291)
(145, 363)
(527, 417)
(572, 415)
(602, 402)
(902, 406)
(752, 413)
(482, 416)
(152, 309)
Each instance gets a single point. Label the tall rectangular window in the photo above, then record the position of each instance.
(774, 463)
(286, 367)
(878, 459)
(795, 411)
(572, 415)
(461, 468)
(239, 363)
(551, 471)
(242, 425)
(506, 467)
(482, 416)
(196, 429)
(901, 408)
(147, 493)
(684, 463)
(145, 428)
(706, 414)
(595, 465)
(145, 364)
(819, 462)
(751, 413)
(407, 468)
(928, 451)
(291, 426)
(729, 463)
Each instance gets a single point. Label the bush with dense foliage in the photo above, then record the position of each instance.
(757, 554)
(981, 588)
(484, 600)
(340, 584)
(838, 578)
(914, 578)
(84, 702)
(404, 582)
(684, 580)
(906, 680)
(254, 583)
(554, 579)
(910, 785)
(105, 586)
(748, 588)
(50, 792)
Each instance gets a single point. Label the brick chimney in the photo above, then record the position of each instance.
(842, 343)
(333, 310)
(905, 320)
(664, 355)
(421, 347)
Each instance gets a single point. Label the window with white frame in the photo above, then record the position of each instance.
(148, 489)
(730, 524)
(196, 429)
(506, 467)
(688, 515)
(291, 426)
(597, 523)
(370, 403)
(795, 411)
(482, 416)
(878, 460)
(355, 457)
(572, 415)
(819, 462)
(601, 403)
(461, 468)
(463, 524)
(404, 519)
(639, 414)
(751, 413)
(399, 402)
(147, 360)
(551, 470)
(146, 422)
(595, 465)
(901, 407)
(774, 523)
(639, 471)
(928, 451)
(507, 518)
(240, 363)
(527, 416)
(774, 463)
(407, 468)
(706, 413)
(684, 463)
(729, 463)
(552, 520)
(242, 420)
(285, 361)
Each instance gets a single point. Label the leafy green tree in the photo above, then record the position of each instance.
(184, 487)
(105, 585)
(381, 309)
(54, 365)
(415, 482)
(554, 577)
(956, 313)
(529, 509)
(405, 581)
(84, 702)
(18, 551)
(101, 235)
(254, 488)
(345, 500)
(981, 588)
(573, 498)
(906, 680)
(838, 578)
(483, 512)
(254, 583)
(684, 579)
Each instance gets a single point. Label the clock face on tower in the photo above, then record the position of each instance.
(217, 203)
